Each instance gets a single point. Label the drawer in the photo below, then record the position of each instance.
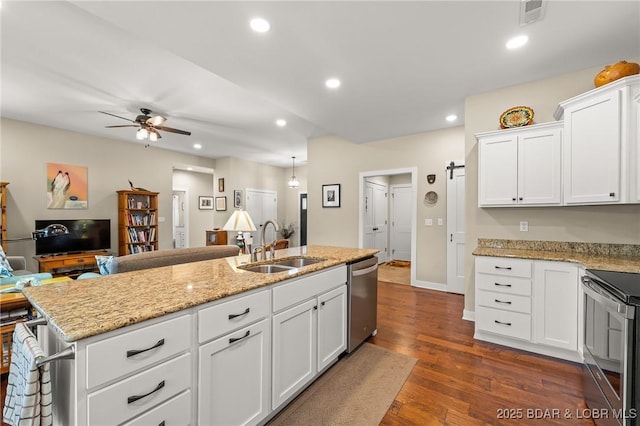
(109, 359)
(500, 284)
(112, 404)
(79, 261)
(225, 317)
(308, 286)
(508, 302)
(512, 324)
(504, 266)
(176, 411)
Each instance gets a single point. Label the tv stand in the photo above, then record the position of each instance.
(70, 264)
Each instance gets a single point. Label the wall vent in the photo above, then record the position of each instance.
(530, 11)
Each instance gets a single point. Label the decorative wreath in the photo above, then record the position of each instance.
(516, 117)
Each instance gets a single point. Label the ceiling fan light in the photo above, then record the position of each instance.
(153, 135)
(142, 134)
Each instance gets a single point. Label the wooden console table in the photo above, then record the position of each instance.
(69, 265)
(214, 238)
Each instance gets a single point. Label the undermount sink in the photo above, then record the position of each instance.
(298, 262)
(281, 265)
(266, 269)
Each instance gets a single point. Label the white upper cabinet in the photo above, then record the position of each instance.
(600, 158)
(520, 167)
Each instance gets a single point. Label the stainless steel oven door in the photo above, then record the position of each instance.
(608, 349)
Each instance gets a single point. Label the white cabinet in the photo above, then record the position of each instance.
(294, 350)
(600, 138)
(234, 377)
(332, 326)
(528, 304)
(309, 328)
(520, 167)
(556, 304)
(233, 369)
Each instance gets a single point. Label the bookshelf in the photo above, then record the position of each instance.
(3, 214)
(137, 221)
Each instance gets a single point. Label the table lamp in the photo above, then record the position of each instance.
(240, 221)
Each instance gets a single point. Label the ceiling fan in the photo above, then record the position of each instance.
(148, 125)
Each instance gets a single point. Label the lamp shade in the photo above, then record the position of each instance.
(239, 221)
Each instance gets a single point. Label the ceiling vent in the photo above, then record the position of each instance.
(530, 11)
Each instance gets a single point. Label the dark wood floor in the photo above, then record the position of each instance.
(461, 381)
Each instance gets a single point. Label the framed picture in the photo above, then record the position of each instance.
(237, 198)
(67, 186)
(220, 184)
(221, 204)
(331, 195)
(205, 203)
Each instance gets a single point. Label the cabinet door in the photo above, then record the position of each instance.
(498, 171)
(332, 325)
(592, 150)
(234, 377)
(539, 165)
(556, 304)
(294, 350)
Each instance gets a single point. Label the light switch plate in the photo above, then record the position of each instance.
(428, 222)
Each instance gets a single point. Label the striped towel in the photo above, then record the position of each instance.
(28, 399)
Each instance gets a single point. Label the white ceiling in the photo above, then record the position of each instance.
(404, 66)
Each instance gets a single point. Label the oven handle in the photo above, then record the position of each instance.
(604, 298)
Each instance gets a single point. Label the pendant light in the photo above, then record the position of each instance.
(293, 182)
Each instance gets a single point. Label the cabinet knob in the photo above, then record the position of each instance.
(513, 199)
(520, 198)
(612, 194)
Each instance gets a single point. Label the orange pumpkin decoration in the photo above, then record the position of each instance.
(616, 71)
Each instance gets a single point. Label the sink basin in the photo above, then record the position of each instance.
(298, 262)
(266, 269)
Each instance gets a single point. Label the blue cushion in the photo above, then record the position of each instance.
(4, 271)
(88, 275)
(4, 262)
(107, 265)
(12, 280)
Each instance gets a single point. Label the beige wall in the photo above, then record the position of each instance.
(335, 160)
(603, 224)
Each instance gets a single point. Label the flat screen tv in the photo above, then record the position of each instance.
(84, 235)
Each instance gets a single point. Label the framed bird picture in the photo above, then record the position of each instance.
(67, 186)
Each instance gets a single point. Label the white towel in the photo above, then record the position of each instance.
(28, 400)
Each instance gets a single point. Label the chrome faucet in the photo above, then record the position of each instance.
(276, 227)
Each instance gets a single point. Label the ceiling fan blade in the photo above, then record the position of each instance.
(108, 113)
(156, 121)
(169, 129)
(124, 125)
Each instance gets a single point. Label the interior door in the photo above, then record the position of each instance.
(262, 205)
(455, 229)
(178, 199)
(376, 211)
(401, 222)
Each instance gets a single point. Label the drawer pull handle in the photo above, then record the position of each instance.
(134, 398)
(502, 301)
(235, 339)
(139, 351)
(232, 316)
(502, 285)
(506, 268)
(508, 324)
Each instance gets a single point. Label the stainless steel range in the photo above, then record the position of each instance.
(611, 353)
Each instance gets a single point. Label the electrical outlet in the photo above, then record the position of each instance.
(440, 221)
(524, 226)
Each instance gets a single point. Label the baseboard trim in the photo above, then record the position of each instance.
(469, 315)
(430, 286)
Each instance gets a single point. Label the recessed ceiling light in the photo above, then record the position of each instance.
(281, 122)
(197, 146)
(332, 83)
(517, 42)
(451, 118)
(260, 25)
(190, 169)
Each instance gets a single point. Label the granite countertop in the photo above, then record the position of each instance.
(608, 257)
(84, 308)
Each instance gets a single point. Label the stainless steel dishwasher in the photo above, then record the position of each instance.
(362, 292)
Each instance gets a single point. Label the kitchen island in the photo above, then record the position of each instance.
(200, 343)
